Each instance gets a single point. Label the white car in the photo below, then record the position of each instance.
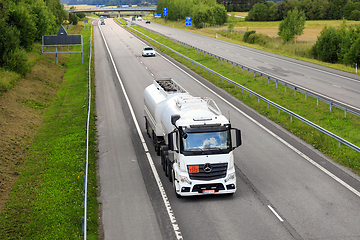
(148, 52)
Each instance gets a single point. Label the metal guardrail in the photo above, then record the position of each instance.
(279, 107)
(332, 102)
(87, 147)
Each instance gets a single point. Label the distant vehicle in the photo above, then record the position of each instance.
(147, 21)
(102, 22)
(148, 52)
(139, 19)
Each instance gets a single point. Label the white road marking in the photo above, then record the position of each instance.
(276, 214)
(151, 162)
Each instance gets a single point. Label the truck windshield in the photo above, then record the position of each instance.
(218, 141)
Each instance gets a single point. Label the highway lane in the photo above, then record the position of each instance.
(336, 84)
(309, 202)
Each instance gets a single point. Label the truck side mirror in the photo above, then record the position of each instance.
(237, 139)
(174, 118)
(171, 141)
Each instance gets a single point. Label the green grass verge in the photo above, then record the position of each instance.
(46, 201)
(334, 121)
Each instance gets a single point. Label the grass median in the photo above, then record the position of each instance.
(46, 201)
(334, 120)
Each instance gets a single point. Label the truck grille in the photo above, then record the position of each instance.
(218, 170)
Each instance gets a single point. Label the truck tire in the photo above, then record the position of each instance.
(156, 145)
(163, 155)
(170, 170)
(147, 127)
(166, 164)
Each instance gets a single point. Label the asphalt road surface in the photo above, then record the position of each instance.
(286, 189)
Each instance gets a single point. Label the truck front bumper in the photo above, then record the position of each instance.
(196, 188)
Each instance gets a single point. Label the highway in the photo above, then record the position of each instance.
(286, 189)
(334, 84)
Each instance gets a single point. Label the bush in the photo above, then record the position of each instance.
(355, 15)
(327, 46)
(258, 38)
(247, 34)
(353, 56)
(17, 61)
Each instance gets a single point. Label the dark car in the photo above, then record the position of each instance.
(147, 21)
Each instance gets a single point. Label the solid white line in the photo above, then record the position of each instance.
(276, 214)
(274, 135)
(151, 162)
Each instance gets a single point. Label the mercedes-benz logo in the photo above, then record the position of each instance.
(207, 167)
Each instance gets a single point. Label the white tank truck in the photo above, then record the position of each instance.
(193, 139)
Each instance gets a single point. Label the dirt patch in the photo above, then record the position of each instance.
(21, 114)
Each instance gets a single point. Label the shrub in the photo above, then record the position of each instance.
(247, 34)
(327, 48)
(258, 38)
(17, 61)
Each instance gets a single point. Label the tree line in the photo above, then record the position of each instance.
(313, 9)
(22, 23)
(201, 11)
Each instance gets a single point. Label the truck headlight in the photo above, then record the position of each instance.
(184, 179)
(231, 176)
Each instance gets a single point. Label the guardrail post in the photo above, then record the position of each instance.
(261, 76)
(345, 112)
(276, 83)
(295, 91)
(285, 87)
(305, 96)
(83, 227)
(317, 100)
(254, 73)
(330, 106)
(278, 110)
(290, 118)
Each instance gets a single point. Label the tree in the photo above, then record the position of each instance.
(327, 46)
(292, 26)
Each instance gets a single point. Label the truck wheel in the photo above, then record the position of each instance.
(174, 185)
(147, 128)
(166, 166)
(170, 172)
(163, 155)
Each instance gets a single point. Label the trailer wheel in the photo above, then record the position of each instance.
(147, 127)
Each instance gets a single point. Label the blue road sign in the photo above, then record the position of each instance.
(165, 12)
(187, 20)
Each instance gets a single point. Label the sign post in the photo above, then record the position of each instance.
(165, 13)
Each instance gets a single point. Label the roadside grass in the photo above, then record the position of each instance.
(7, 80)
(334, 121)
(46, 201)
